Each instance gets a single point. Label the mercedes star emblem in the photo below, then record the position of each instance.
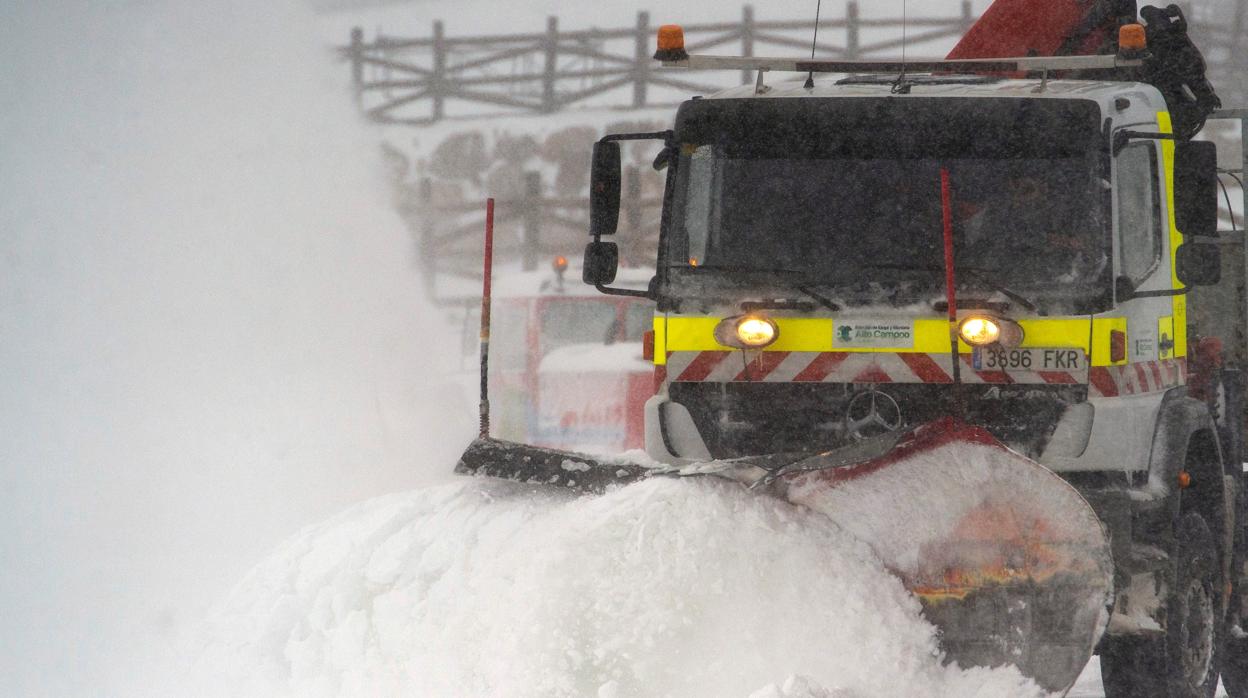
(871, 413)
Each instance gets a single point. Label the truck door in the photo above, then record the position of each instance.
(1142, 261)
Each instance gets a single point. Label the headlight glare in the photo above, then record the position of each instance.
(751, 331)
(756, 332)
(979, 331)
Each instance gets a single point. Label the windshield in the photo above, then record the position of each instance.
(848, 196)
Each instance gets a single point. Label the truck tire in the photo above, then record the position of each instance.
(1184, 662)
(1235, 668)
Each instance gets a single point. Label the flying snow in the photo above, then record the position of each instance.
(665, 587)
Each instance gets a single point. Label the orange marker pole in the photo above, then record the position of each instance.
(485, 320)
(946, 215)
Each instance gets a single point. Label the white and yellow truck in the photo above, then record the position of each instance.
(979, 312)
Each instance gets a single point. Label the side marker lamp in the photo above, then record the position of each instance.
(981, 330)
(747, 331)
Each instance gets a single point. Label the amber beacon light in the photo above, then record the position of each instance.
(671, 43)
(1132, 41)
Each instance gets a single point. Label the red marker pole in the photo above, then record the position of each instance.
(946, 215)
(485, 320)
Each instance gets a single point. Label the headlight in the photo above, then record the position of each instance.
(980, 330)
(756, 332)
(747, 332)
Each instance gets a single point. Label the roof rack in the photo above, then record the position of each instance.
(1043, 64)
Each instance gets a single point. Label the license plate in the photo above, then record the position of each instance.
(1033, 359)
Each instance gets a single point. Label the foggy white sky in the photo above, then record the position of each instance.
(211, 332)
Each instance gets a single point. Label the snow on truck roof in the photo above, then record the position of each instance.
(971, 86)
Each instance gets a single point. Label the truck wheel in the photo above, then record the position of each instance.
(1235, 668)
(1183, 663)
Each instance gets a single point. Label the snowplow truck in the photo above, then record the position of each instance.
(979, 313)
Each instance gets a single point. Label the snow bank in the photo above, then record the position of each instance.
(596, 358)
(667, 587)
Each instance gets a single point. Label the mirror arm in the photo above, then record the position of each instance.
(1123, 137)
(633, 293)
(1162, 293)
(608, 290)
(668, 137)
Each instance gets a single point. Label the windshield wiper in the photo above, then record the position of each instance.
(800, 305)
(823, 300)
(974, 272)
(735, 268)
(800, 286)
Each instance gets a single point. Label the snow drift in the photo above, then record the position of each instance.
(666, 587)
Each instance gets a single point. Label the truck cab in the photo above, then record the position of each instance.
(820, 210)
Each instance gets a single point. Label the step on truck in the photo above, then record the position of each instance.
(980, 312)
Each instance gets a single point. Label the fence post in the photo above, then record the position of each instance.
(428, 238)
(357, 62)
(851, 31)
(532, 207)
(747, 38)
(968, 17)
(641, 60)
(552, 65)
(437, 78)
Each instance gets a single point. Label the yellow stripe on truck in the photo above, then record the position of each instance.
(931, 336)
(1178, 303)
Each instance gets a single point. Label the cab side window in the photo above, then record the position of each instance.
(1139, 212)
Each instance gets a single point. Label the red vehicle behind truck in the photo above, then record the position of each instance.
(569, 368)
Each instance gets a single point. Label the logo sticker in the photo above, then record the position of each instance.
(873, 334)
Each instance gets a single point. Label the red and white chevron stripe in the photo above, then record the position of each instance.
(844, 367)
(852, 367)
(1137, 378)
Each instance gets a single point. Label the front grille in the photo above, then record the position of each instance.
(744, 419)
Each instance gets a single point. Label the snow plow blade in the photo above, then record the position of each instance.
(509, 460)
(1009, 562)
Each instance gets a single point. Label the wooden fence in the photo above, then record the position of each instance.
(419, 80)
(423, 80)
(532, 227)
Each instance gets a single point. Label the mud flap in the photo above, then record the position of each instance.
(1010, 563)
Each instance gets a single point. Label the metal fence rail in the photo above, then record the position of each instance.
(414, 80)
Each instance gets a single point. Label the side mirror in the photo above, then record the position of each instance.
(1196, 187)
(604, 190)
(1198, 264)
(601, 261)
